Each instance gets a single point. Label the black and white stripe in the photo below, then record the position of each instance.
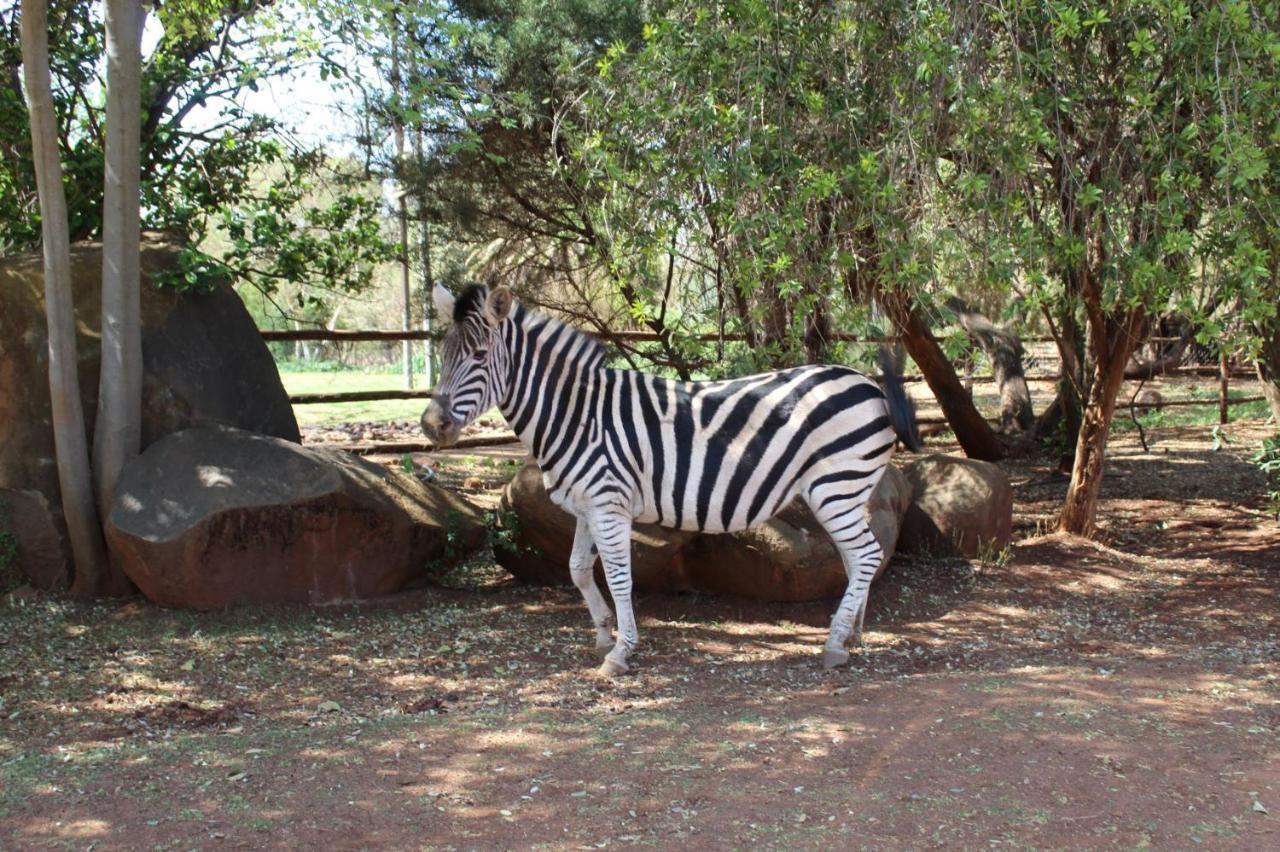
(618, 446)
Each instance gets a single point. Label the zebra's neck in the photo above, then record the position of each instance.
(551, 380)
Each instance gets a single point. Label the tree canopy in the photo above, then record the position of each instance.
(751, 180)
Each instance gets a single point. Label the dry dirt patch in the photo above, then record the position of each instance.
(1116, 694)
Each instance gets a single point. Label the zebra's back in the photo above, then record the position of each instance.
(723, 456)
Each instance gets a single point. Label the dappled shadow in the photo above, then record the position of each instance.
(990, 691)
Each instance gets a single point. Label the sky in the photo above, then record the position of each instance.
(317, 112)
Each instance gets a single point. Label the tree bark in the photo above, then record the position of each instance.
(1111, 353)
(402, 209)
(1067, 407)
(975, 435)
(817, 337)
(74, 479)
(1005, 351)
(117, 436)
(424, 255)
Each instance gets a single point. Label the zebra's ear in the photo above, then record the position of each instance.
(497, 306)
(444, 303)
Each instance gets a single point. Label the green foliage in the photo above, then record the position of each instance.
(203, 154)
(781, 148)
(1268, 461)
(9, 576)
(504, 531)
(1112, 155)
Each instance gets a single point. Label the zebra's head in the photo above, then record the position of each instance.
(472, 359)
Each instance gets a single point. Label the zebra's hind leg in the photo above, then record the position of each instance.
(844, 519)
(861, 555)
(582, 560)
(611, 531)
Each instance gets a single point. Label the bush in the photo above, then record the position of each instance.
(1268, 460)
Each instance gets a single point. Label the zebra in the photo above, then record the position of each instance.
(618, 447)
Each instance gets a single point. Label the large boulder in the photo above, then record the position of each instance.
(885, 511)
(959, 506)
(214, 517)
(204, 362)
(30, 539)
(788, 558)
(539, 536)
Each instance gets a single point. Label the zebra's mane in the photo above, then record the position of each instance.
(470, 301)
(591, 349)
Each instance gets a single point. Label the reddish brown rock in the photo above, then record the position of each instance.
(959, 506)
(214, 517)
(885, 511)
(788, 558)
(204, 362)
(535, 537)
(31, 525)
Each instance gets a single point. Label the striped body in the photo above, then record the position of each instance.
(708, 456)
(617, 446)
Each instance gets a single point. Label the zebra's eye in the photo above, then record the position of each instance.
(480, 354)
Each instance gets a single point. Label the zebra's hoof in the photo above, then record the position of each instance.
(612, 668)
(834, 658)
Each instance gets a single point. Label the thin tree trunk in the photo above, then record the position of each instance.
(818, 336)
(1067, 406)
(424, 255)
(74, 477)
(1110, 357)
(402, 212)
(975, 435)
(118, 434)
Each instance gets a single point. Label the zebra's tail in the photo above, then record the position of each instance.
(902, 411)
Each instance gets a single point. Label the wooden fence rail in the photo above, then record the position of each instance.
(395, 335)
(274, 335)
(927, 423)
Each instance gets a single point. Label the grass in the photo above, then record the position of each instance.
(1191, 415)
(328, 414)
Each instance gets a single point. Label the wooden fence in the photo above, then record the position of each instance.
(394, 335)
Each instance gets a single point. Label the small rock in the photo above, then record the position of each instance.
(329, 707)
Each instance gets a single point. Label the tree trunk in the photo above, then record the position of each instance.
(1067, 407)
(74, 478)
(424, 257)
(817, 336)
(1080, 506)
(402, 210)
(1269, 367)
(118, 434)
(1005, 351)
(975, 435)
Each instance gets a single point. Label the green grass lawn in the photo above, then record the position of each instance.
(343, 382)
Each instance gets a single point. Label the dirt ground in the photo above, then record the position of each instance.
(1064, 694)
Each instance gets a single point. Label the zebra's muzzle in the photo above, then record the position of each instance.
(438, 425)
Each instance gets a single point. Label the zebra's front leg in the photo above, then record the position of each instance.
(611, 531)
(581, 562)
